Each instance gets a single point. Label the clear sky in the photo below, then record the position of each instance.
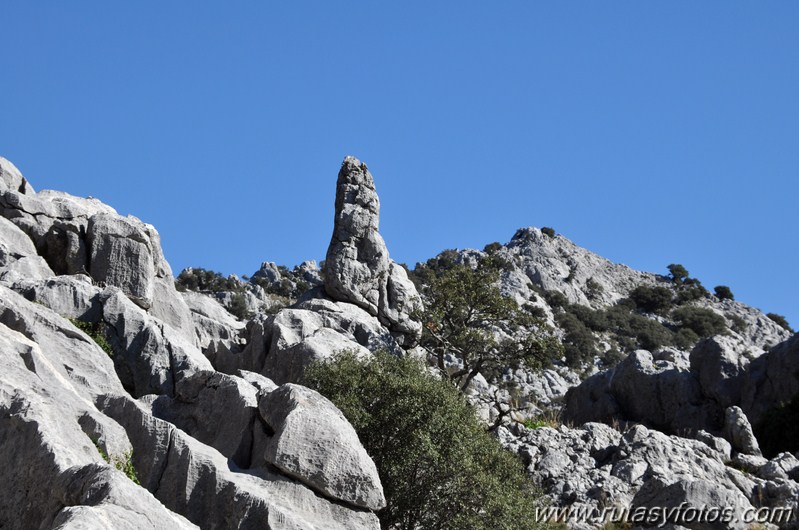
(648, 132)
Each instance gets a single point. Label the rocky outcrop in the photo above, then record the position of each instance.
(89, 409)
(314, 443)
(723, 390)
(596, 467)
(772, 380)
(358, 269)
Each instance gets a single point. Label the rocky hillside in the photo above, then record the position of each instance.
(130, 403)
(113, 417)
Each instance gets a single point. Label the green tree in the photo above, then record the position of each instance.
(467, 316)
(723, 292)
(439, 468)
(678, 273)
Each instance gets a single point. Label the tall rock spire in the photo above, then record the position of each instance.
(358, 268)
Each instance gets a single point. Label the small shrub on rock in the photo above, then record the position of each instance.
(723, 292)
(701, 321)
(652, 299)
(781, 321)
(547, 231)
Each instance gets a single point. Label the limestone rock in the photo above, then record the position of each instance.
(773, 379)
(358, 268)
(12, 180)
(315, 444)
(739, 432)
(720, 367)
(644, 390)
(196, 481)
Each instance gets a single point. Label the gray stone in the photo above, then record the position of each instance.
(720, 368)
(315, 444)
(196, 481)
(12, 180)
(219, 410)
(695, 496)
(772, 380)
(357, 267)
(738, 432)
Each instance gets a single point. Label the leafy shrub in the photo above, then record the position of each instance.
(199, 279)
(238, 307)
(636, 331)
(579, 344)
(778, 431)
(439, 468)
(701, 321)
(739, 325)
(123, 463)
(95, 330)
(492, 248)
(652, 299)
(596, 320)
(547, 231)
(593, 289)
(556, 299)
(678, 273)
(781, 321)
(689, 293)
(723, 292)
(686, 339)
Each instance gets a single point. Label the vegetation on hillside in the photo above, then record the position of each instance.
(439, 467)
(467, 316)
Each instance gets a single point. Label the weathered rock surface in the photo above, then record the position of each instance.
(772, 379)
(314, 443)
(358, 268)
(724, 391)
(597, 467)
(66, 405)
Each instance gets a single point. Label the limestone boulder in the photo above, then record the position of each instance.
(315, 444)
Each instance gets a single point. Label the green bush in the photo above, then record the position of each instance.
(686, 339)
(199, 279)
(723, 292)
(703, 322)
(579, 344)
(678, 273)
(492, 248)
(652, 299)
(95, 330)
(439, 467)
(781, 321)
(636, 331)
(689, 293)
(547, 231)
(238, 307)
(778, 431)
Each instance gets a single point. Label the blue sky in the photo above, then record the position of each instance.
(648, 132)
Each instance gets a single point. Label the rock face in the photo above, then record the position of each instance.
(314, 443)
(722, 391)
(595, 467)
(358, 269)
(126, 393)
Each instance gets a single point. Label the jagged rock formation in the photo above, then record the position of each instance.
(136, 393)
(722, 390)
(596, 467)
(358, 269)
